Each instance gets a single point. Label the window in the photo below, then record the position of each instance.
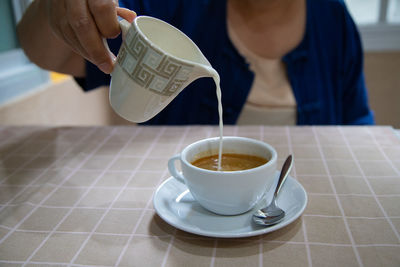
(364, 12)
(393, 15)
(379, 23)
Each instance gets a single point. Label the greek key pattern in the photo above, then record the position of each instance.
(150, 68)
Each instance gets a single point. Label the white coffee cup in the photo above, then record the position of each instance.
(155, 63)
(226, 192)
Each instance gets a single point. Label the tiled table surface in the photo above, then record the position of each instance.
(83, 197)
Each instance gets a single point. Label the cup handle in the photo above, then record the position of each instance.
(124, 25)
(172, 169)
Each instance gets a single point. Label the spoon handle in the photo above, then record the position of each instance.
(287, 166)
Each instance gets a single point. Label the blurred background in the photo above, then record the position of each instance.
(32, 96)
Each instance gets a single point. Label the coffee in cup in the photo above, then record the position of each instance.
(226, 192)
(229, 162)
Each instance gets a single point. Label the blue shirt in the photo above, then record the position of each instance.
(325, 70)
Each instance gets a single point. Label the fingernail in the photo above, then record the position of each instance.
(105, 67)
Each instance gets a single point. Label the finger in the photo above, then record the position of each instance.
(86, 31)
(61, 27)
(126, 14)
(71, 39)
(55, 11)
(105, 15)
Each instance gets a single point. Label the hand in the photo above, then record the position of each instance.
(82, 24)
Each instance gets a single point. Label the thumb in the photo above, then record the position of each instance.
(126, 14)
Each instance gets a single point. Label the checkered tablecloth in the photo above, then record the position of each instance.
(82, 196)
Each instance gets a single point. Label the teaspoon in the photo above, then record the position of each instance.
(272, 214)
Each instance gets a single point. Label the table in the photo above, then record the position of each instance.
(82, 196)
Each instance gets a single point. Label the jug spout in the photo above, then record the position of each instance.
(202, 71)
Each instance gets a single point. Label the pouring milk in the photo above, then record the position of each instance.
(155, 63)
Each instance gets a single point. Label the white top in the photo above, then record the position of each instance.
(271, 100)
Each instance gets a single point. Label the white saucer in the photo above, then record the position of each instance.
(174, 204)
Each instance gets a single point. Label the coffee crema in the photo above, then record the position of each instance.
(229, 162)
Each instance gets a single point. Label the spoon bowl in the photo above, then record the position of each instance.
(272, 214)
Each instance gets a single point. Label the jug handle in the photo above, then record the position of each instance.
(124, 25)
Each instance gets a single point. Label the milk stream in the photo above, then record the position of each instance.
(216, 79)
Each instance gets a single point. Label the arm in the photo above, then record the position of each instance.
(59, 35)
